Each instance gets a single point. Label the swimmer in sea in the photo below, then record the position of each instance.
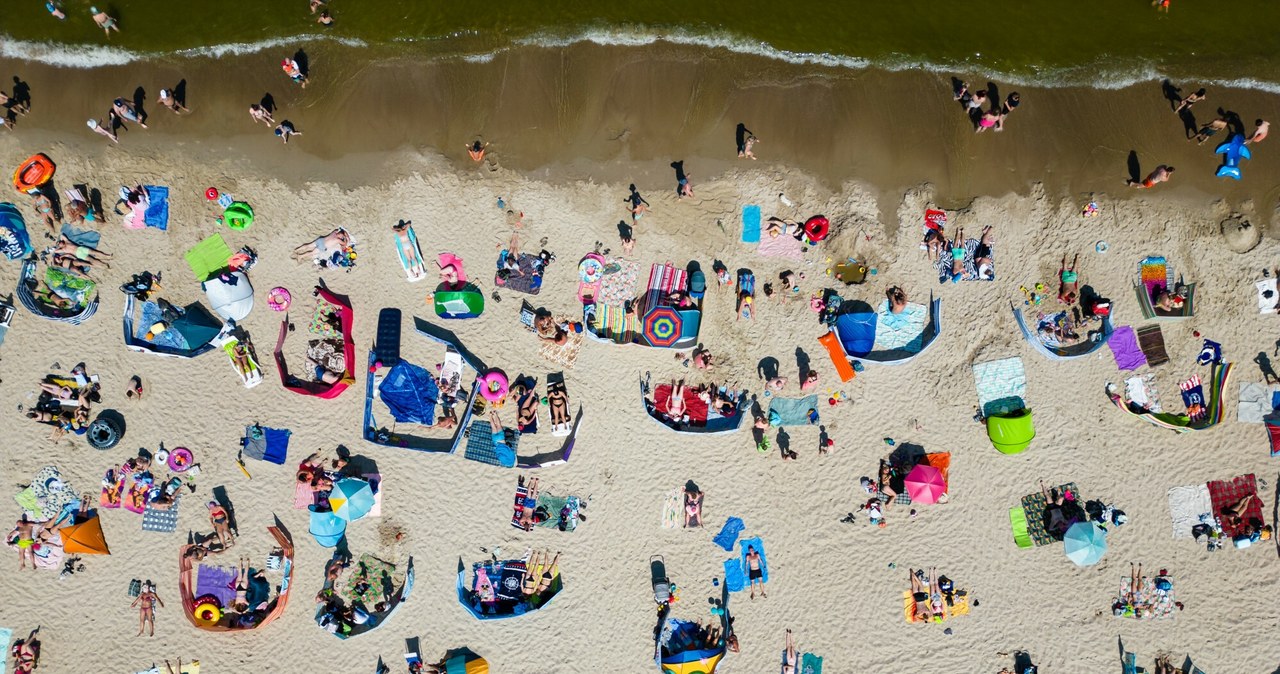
(1160, 175)
(476, 150)
(1161, 5)
(1259, 132)
(325, 19)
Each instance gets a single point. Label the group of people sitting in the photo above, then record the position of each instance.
(319, 475)
(1249, 530)
(509, 264)
(340, 617)
(65, 403)
(1133, 601)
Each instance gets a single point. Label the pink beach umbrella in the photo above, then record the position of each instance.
(925, 484)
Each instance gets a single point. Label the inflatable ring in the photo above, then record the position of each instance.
(37, 170)
(207, 613)
(590, 269)
(180, 459)
(238, 215)
(1102, 247)
(493, 385)
(278, 298)
(817, 228)
(211, 194)
(162, 456)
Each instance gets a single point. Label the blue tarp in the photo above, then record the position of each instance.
(157, 213)
(857, 333)
(411, 393)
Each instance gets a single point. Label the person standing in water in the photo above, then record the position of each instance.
(285, 129)
(106, 23)
(476, 149)
(167, 100)
(740, 135)
(1260, 130)
(1161, 5)
(1160, 175)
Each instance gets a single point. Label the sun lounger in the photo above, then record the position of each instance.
(558, 397)
(417, 259)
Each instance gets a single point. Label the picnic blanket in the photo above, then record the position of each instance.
(619, 285)
(219, 581)
(1186, 505)
(1155, 603)
(208, 257)
(1034, 504)
(530, 279)
(554, 506)
(904, 331)
(480, 443)
(46, 495)
(694, 407)
(367, 584)
(782, 245)
(1227, 493)
(67, 285)
(266, 444)
(1124, 346)
(1151, 341)
(751, 224)
(151, 313)
(792, 411)
(729, 533)
(163, 521)
(564, 355)
(81, 237)
(1001, 384)
(943, 265)
(328, 353)
(320, 323)
(1256, 402)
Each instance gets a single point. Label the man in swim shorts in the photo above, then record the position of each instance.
(1160, 175)
(755, 573)
(25, 531)
(105, 22)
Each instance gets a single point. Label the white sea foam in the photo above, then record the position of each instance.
(97, 56)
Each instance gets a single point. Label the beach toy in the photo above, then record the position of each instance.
(211, 194)
(1102, 247)
(37, 170)
(817, 228)
(590, 269)
(1232, 152)
(1090, 210)
(278, 298)
(162, 456)
(180, 459)
(493, 385)
(238, 215)
(207, 612)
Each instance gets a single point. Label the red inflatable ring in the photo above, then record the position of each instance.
(817, 228)
(211, 194)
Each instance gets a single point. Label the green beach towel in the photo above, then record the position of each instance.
(373, 568)
(208, 257)
(792, 411)
(1018, 522)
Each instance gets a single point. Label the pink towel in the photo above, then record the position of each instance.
(781, 246)
(451, 260)
(303, 496)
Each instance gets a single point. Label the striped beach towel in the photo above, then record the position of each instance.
(1151, 341)
(1156, 275)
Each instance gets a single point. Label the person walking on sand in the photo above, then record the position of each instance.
(146, 603)
(755, 573)
(99, 127)
(26, 540)
(476, 150)
(1259, 132)
(1160, 175)
(285, 129)
(1190, 100)
(741, 134)
(636, 203)
(1212, 128)
(683, 188)
(166, 100)
(260, 114)
(106, 23)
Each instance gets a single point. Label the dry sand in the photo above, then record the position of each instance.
(830, 582)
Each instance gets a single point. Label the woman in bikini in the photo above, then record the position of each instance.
(982, 256)
(408, 250)
(26, 653)
(693, 508)
(64, 393)
(44, 208)
(146, 602)
(219, 518)
(549, 572)
(332, 242)
(790, 658)
(241, 603)
(1069, 281)
(1233, 515)
(675, 402)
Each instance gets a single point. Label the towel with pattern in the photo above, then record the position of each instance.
(564, 355)
(479, 445)
(163, 521)
(1001, 384)
(1153, 602)
(370, 576)
(943, 265)
(1035, 504)
(321, 324)
(528, 281)
(904, 331)
(618, 286)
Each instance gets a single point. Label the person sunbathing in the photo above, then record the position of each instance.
(1233, 515)
(410, 252)
(935, 240)
(957, 255)
(701, 358)
(219, 518)
(982, 256)
(549, 572)
(776, 227)
(897, 299)
(1128, 602)
(46, 296)
(549, 330)
(241, 602)
(85, 253)
(746, 305)
(323, 374)
(1069, 281)
(810, 380)
(920, 595)
(323, 247)
(530, 504)
(26, 653)
(675, 402)
(63, 393)
(1163, 666)
(693, 508)
(790, 658)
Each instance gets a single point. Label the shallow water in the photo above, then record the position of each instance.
(1105, 43)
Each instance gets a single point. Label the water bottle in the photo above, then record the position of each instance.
(889, 441)
(502, 205)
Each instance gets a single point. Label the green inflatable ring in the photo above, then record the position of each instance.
(238, 215)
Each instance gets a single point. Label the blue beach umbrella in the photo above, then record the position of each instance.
(327, 528)
(351, 498)
(1085, 543)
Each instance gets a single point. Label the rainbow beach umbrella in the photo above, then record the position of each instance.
(662, 326)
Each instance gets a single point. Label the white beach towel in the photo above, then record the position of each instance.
(1186, 505)
(1267, 303)
(1255, 402)
(999, 380)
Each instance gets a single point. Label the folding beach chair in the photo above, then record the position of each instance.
(1018, 522)
(1130, 664)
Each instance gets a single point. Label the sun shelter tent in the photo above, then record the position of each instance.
(80, 293)
(1180, 423)
(207, 611)
(700, 417)
(413, 393)
(15, 242)
(1157, 277)
(496, 592)
(85, 537)
(677, 649)
(340, 306)
(188, 336)
(365, 594)
(1011, 432)
(230, 294)
(1096, 339)
(886, 338)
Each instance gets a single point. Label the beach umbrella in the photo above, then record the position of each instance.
(463, 661)
(327, 528)
(925, 484)
(351, 498)
(85, 538)
(662, 326)
(1085, 543)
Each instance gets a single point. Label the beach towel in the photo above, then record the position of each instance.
(1141, 391)
(405, 262)
(1018, 523)
(1268, 296)
(616, 287)
(1186, 505)
(68, 286)
(558, 506)
(480, 446)
(366, 582)
(267, 444)
(783, 246)
(1034, 505)
(672, 507)
(303, 496)
(164, 521)
(320, 323)
(903, 331)
(529, 281)
(694, 407)
(1155, 603)
(529, 407)
(564, 355)
(1256, 402)
(518, 506)
(734, 579)
(1193, 398)
(943, 265)
(810, 664)
(327, 353)
(6, 635)
(959, 607)
(1224, 494)
(1151, 341)
(1273, 434)
(208, 258)
(219, 581)
(1124, 346)
(792, 411)
(1001, 384)
(759, 548)
(729, 533)
(157, 211)
(751, 224)
(150, 313)
(81, 237)
(47, 495)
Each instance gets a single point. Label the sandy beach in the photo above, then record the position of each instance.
(571, 128)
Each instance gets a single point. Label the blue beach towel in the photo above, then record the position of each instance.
(792, 411)
(157, 213)
(729, 533)
(734, 579)
(751, 224)
(6, 635)
(810, 664)
(759, 547)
